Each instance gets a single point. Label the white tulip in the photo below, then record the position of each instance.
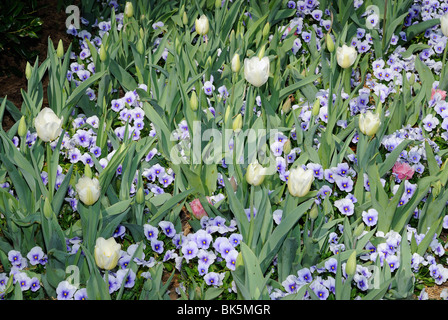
(256, 70)
(300, 181)
(201, 25)
(48, 125)
(369, 123)
(255, 173)
(346, 56)
(88, 190)
(444, 24)
(107, 253)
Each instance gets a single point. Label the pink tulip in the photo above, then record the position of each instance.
(403, 170)
(198, 209)
(442, 93)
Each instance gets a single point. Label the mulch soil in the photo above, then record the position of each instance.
(12, 67)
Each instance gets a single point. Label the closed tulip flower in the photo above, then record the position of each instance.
(300, 181)
(129, 9)
(346, 56)
(238, 123)
(107, 253)
(202, 25)
(350, 267)
(194, 103)
(444, 24)
(60, 49)
(28, 71)
(330, 42)
(255, 173)
(22, 130)
(236, 65)
(256, 70)
(369, 123)
(88, 190)
(48, 125)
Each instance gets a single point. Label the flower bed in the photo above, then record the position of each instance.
(231, 150)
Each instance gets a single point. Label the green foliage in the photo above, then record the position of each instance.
(19, 24)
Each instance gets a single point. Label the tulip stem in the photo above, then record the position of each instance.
(51, 182)
(311, 227)
(346, 79)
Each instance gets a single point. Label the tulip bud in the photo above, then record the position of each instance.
(140, 196)
(202, 25)
(142, 33)
(330, 42)
(369, 123)
(350, 267)
(314, 212)
(261, 53)
(140, 47)
(185, 18)
(218, 4)
(177, 46)
(316, 107)
(22, 127)
(232, 36)
(48, 210)
(60, 49)
(255, 173)
(235, 63)
(197, 293)
(287, 147)
(346, 56)
(197, 209)
(208, 63)
(194, 101)
(436, 188)
(227, 114)
(300, 181)
(240, 32)
(266, 29)
(129, 9)
(107, 253)
(286, 105)
(28, 71)
(233, 183)
(238, 123)
(103, 53)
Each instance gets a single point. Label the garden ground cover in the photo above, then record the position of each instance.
(357, 180)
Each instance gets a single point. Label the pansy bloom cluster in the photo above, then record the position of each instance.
(210, 253)
(320, 279)
(24, 270)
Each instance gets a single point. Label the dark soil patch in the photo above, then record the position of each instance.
(12, 68)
